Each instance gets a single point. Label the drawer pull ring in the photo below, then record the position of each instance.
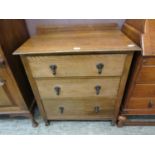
(150, 104)
(97, 109)
(2, 62)
(100, 67)
(98, 88)
(57, 90)
(61, 110)
(53, 68)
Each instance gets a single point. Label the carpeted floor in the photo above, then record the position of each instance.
(22, 126)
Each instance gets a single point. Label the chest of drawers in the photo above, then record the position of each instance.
(78, 73)
(16, 97)
(139, 100)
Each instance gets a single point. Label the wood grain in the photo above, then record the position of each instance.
(10, 87)
(144, 90)
(146, 75)
(47, 29)
(122, 86)
(16, 96)
(72, 42)
(140, 91)
(78, 87)
(79, 109)
(141, 103)
(148, 61)
(76, 52)
(74, 66)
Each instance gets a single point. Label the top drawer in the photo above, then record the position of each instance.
(77, 65)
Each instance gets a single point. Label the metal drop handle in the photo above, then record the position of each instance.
(53, 68)
(61, 110)
(97, 88)
(97, 109)
(57, 90)
(150, 104)
(100, 67)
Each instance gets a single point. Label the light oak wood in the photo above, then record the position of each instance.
(78, 87)
(4, 100)
(79, 109)
(73, 65)
(70, 42)
(122, 85)
(76, 52)
(47, 29)
(34, 88)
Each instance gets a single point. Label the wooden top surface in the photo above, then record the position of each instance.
(108, 40)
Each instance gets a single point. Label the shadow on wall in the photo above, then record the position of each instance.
(32, 23)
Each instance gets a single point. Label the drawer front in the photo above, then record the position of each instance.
(146, 75)
(79, 109)
(61, 88)
(4, 99)
(144, 90)
(7, 95)
(141, 103)
(77, 65)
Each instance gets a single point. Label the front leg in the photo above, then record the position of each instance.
(121, 121)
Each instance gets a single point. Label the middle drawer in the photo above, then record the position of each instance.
(77, 65)
(60, 88)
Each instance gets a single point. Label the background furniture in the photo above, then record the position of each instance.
(139, 97)
(16, 97)
(78, 72)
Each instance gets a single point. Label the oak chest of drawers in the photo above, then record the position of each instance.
(78, 72)
(139, 100)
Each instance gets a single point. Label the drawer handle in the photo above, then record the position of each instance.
(61, 110)
(57, 90)
(53, 68)
(97, 88)
(2, 62)
(97, 109)
(100, 67)
(150, 104)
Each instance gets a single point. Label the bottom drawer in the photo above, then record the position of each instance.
(94, 109)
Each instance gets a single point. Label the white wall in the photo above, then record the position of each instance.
(32, 23)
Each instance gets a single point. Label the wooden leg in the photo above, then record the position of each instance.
(47, 123)
(121, 121)
(34, 123)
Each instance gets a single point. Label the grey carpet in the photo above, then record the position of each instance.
(22, 126)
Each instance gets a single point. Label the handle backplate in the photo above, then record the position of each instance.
(61, 110)
(53, 68)
(100, 67)
(97, 88)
